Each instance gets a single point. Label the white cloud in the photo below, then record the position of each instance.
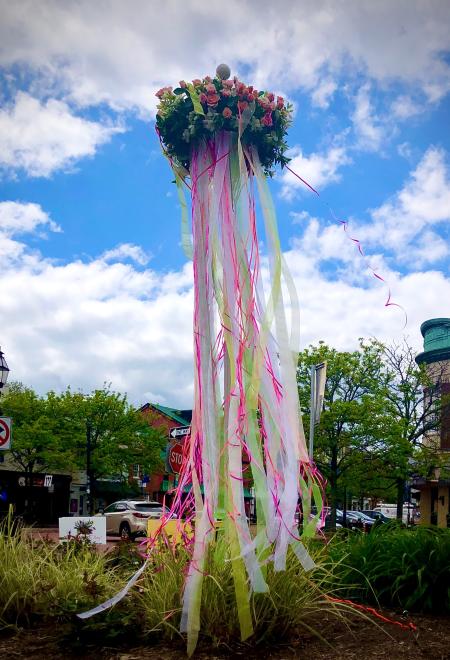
(405, 150)
(84, 323)
(127, 250)
(323, 93)
(318, 169)
(430, 249)
(423, 202)
(407, 225)
(405, 107)
(19, 218)
(366, 124)
(41, 137)
(119, 53)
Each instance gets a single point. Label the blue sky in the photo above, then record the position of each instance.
(94, 285)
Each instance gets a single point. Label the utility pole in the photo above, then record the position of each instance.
(90, 501)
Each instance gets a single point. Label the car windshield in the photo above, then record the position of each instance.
(148, 506)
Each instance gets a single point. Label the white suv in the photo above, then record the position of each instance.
(128, 518)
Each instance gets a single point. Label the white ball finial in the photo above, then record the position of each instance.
(223, 71)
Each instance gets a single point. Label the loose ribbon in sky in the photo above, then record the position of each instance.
(356, 241)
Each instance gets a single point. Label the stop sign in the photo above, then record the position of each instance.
(176, 457)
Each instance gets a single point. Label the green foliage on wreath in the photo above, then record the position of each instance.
(194, 112)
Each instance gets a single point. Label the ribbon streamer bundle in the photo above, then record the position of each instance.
(224, 136)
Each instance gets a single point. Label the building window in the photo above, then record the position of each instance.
(445, 416)
(136, 471)
(431, 402)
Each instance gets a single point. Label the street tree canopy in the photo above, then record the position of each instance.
(119, 436)
(51, 432)
(40, 442)
(353, 401)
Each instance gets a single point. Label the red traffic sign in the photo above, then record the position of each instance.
(176, 457)
(5, 432)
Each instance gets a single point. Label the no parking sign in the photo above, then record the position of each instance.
(5, 432)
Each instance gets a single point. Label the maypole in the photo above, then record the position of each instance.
(222, 139)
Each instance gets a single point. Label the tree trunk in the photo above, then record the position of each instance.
(28, 503)
(333, 486)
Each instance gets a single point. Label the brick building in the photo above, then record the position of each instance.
(435, 490)
(158, 485)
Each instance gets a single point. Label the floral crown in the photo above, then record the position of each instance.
(194, 112)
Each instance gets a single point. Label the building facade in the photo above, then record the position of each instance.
(159, 486)
(435, 490)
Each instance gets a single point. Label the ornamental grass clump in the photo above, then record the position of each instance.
(40, 579)
(296, 599)
(396, 567)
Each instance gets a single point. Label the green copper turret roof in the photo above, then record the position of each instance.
(436, 341)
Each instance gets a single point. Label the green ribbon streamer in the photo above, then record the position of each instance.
(195, 99)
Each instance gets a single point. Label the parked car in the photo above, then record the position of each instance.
(409, 514)
(359, 520)
(376, 515)
(128, 518)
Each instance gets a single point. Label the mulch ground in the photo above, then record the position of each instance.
(359, 640)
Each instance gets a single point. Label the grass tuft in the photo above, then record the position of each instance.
(396, 567)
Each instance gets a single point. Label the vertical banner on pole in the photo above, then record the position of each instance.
(318, 380)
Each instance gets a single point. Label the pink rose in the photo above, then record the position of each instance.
(207, 79)
(203, 98)
(227, 113)
(280, 102)
(160, 93)
(227, 83)
(226, 93)
(197, 82)
(242, 105)
(210, 88)
(270, 97)
(264, 103)
(183, 84)
(212, 99)
(267, 119)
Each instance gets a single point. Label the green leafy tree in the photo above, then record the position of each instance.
(100, 432)
(379, 406)
(352, 424)
(110, 435)
(39, 444)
